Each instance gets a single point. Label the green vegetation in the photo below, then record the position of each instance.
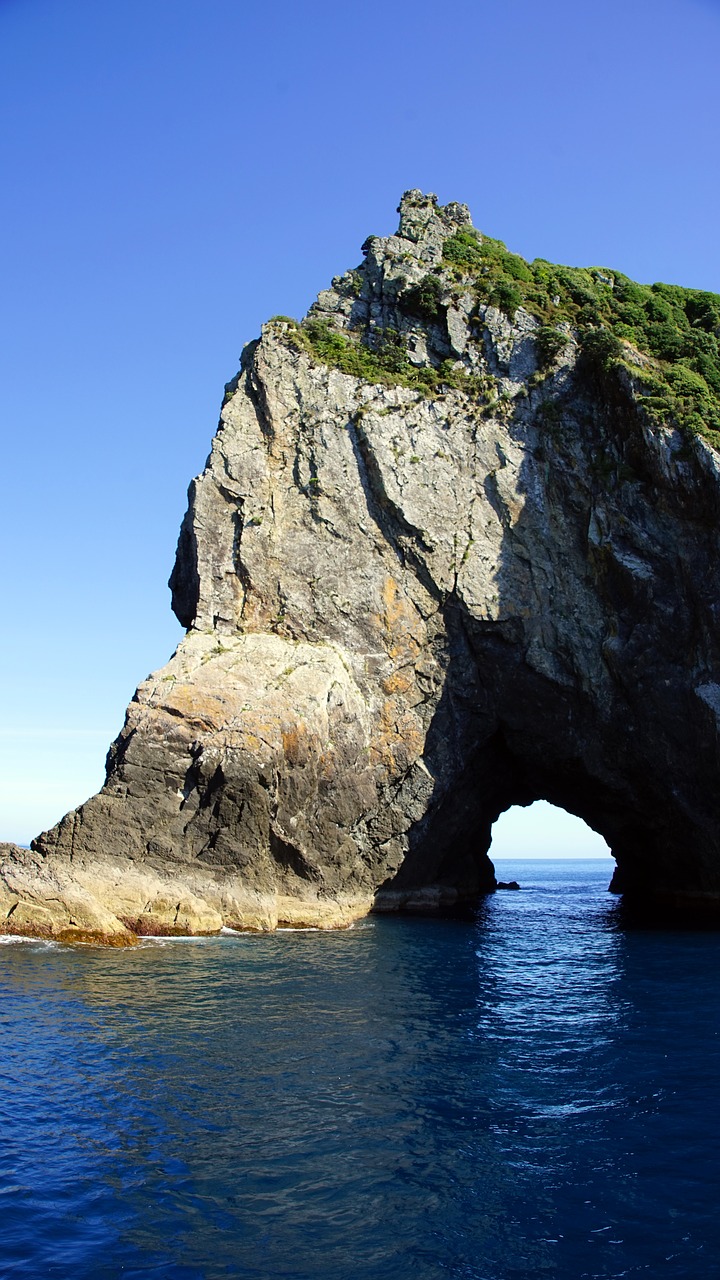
(665, 336)
(388, 365)
(464, 250)
(423, 299)
(215, 652)
(677, 329)
(549, 343)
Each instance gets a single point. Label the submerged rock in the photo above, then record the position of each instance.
(448, 554)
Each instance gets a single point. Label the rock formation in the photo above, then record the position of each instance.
(439, 562)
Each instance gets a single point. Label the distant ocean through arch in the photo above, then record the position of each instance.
(532, 1093)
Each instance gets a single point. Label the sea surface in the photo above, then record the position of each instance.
(531, 1094)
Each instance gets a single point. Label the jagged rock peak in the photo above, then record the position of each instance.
(427, 225)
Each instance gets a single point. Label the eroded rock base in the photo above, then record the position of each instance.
(114, 905)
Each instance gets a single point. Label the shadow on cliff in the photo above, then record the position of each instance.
(577, 691)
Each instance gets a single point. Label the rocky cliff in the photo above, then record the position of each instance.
(455, 548)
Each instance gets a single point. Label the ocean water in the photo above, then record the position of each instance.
(531, 1094)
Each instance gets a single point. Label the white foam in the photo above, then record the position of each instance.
(165, 938)
(313, 928)
(9, 939)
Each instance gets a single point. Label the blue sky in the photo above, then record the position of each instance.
(176, 171)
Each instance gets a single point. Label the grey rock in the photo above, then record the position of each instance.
(406, 613)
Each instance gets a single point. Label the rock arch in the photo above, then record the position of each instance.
(411, 605)
(520, 737)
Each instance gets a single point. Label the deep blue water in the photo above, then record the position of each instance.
(534, 1094)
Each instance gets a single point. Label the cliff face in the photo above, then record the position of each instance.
(439, 562)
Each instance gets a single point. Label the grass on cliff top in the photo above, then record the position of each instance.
(387, 366)
(678, 328)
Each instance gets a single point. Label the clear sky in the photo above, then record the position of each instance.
(177, 171)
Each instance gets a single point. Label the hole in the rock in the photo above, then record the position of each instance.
(542, 830)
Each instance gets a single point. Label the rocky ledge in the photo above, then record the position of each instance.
(455, 548)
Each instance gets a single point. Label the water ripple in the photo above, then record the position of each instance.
(530, 1096)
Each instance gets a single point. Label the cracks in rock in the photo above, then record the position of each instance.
(379, 492)
(209, 793)
(238, 564)
(495, 499)
(75, 815)
(257, 395)
(313, 490)
(117, 751)
(236, 502)
(385, 513)
(291, 858)
(457, 565)
(212, 794)
(326, 524)
(211, 844)
(191, 786)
